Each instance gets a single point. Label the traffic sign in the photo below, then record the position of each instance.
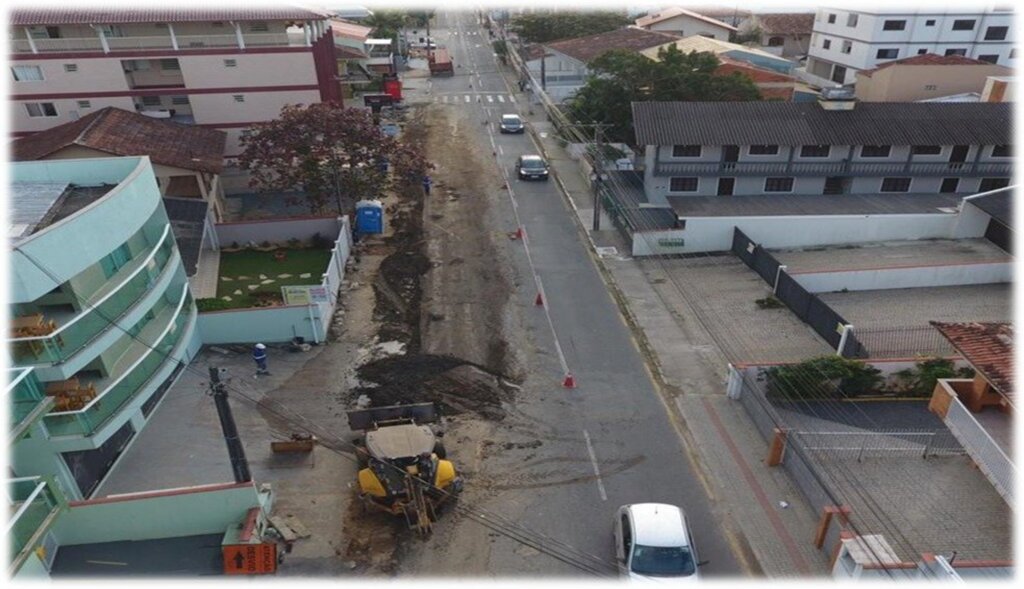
(250, 559)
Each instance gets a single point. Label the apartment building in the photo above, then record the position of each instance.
(779, 148)
(100, 312)
(847, 41)
(224, 68)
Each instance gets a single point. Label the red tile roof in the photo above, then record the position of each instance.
(590, 47)
(988, 347)
(927, 59)
(88, 16)
(350, 30)
(786, 23)
(124, 133)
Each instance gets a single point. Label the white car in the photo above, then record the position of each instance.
(652, 542)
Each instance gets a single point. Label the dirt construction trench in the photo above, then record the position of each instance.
(442, 302)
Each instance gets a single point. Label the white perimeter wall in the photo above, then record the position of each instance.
(914, 277)
(709, 234)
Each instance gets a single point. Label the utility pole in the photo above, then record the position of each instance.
(599, 172)
(239, 465)
(543, 74)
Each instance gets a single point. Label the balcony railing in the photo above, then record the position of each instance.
(157, 42)
(987, 454)
(109, 402)
(34, 505)
(832, 168)
(74, 335)
(27, 402)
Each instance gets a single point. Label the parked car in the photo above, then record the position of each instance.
(652, 541)
(511, 124)
(531, 167)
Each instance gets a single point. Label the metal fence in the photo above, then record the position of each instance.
(805, 305)
(986, 453)
(903, 342)
(884, 443)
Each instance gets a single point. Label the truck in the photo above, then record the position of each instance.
(441, 63)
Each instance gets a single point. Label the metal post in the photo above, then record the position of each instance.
(239, 464)
(778, 272)
(928, 446)
(31, 41)
(598, 172)
(842, 339)
(174, 38)
(543, 71)
(103, 38)
(241, 40)
(864, 441)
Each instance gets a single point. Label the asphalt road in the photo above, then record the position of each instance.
(614, 422)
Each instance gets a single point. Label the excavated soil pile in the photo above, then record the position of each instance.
(456, 386)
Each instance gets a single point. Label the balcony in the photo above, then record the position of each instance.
(108, 305)
(832, 169)
(143, 360)
(35, 504)
(157, 43)
(27, 402)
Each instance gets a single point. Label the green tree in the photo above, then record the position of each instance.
(621, 77)
(386, 23)
(542, 28)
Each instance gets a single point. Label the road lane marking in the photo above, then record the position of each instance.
(512, 99)
(500, 150)
(466, 96)
(593, 462)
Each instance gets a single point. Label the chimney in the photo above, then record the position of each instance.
(837, 98)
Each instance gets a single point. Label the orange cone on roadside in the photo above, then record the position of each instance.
(539, 301)
(519, 233)
(569, 382)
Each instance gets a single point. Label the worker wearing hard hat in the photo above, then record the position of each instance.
(259, 355)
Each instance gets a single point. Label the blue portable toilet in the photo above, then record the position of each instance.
(369, 217)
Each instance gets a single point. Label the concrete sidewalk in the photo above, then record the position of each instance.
(766, 517)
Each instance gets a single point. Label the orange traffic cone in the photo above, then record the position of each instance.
(539, 301)
(569, 382)
(519, 233)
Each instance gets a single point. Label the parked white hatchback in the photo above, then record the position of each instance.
(652, 542)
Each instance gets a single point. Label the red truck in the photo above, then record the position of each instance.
(441, 63)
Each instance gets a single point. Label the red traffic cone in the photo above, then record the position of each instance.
(569, 382)
(519, 233)
(539, 301)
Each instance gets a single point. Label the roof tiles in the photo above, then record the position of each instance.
(85, 16)
(588, 48)
(987, 346)
(124, 133)
(791, 123)
(927, 59)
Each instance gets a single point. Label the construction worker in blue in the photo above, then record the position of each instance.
(259, 355)
(426, 184)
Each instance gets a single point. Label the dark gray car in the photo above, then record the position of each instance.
(531, 167)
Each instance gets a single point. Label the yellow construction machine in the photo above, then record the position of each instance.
(402, 466)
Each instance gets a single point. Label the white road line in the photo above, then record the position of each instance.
(466, 96)
(593, 462)
(501, 151)
(490, 98)
(512, 99)
(501, 98)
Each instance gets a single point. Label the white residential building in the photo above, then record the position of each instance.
(847, 41)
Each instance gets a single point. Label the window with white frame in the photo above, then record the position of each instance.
(41, 109)
(887, 54)
(686, 151)
(778, 184)
(84, 104)
(895, 185)
(815, 150)
(875, 150)
(763, 150)
(151, 101)
(996, 33)
(230, 63)
(70, 67)
(27, 73)
(960, 52)
(963, 25)
(894, 25)
(683, 184)
(831, 19)
(847, 47)
(239, 97)
(851, 20)
(826, 44)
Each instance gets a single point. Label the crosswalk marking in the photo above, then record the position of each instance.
(466, 97)
(474, 97)
(501, 98)
(490, 98)
(511, 99)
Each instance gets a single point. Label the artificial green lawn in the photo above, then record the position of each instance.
(252, 263)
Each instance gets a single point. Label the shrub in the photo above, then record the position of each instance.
(827, 377)
(769, 303)
(920, 380)
(213, 304)
(265, 244)
(294, 243)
